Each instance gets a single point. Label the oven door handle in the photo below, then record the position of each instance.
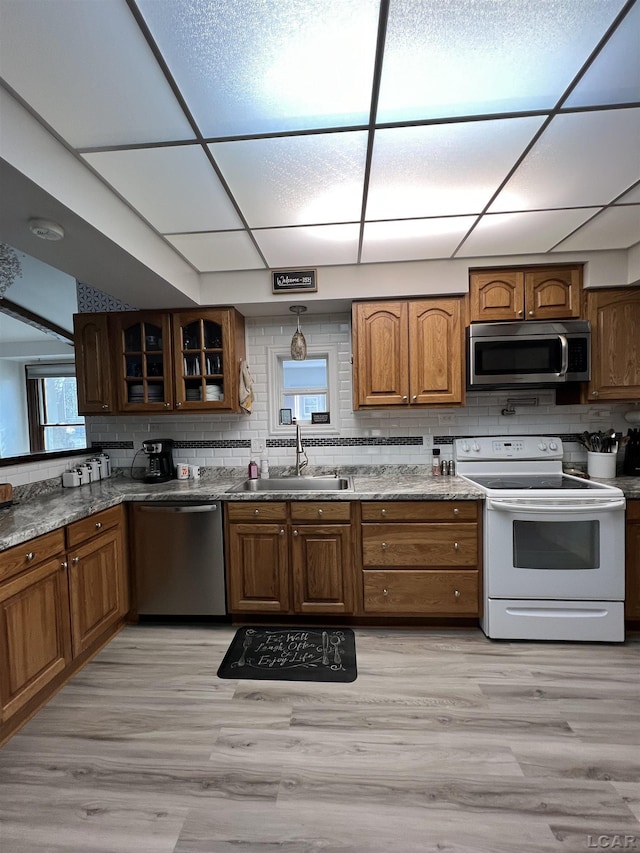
(512, 506)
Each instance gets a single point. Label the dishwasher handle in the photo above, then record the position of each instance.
(186, 508)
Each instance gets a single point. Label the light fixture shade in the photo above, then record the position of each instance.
(298, 342)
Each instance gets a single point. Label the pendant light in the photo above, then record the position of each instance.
(298, 343)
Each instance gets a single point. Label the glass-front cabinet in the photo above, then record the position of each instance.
(203, 377)
(143, 351)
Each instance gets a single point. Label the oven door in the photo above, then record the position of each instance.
(553, 549)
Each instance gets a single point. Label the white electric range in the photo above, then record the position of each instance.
(554, 546)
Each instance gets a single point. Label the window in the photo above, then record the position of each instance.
(52, 403)
(304, 387)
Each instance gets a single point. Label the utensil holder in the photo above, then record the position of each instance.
(601, 464)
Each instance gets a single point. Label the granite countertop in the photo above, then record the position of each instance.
(39, 515)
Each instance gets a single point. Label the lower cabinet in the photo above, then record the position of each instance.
(632, 593)
(421, 558)
(289, 557)
(62, 595)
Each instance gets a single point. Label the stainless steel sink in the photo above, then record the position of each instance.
(295, 484)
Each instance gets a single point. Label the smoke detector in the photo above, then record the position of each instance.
(46, 230)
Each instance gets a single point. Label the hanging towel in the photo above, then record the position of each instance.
(245, 391)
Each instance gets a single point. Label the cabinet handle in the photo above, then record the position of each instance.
(166, 405)
(282, 532)
(594, 393)
(29, 556)
(64, 564)
(256, 512)
(75, 561)
(456, 547)
(532, 313)
(415, 397)
(456, 511)
(404, 398)
(295, 533)
(385, 592)
(520, 313)
(178, 405)
(384, 546)
(383, 512)
(105, 405)
(456, 594)
(320, 512)
(98, 525)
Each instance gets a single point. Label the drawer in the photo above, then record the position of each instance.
(320, 511)
(29, 554)
(81, 531)
(633, 510)
(399, 545)
(257, 511)
(447, 593)
(420, 510)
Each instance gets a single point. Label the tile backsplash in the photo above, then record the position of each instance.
(389, 437)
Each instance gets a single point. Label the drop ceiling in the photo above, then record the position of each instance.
(290, 133)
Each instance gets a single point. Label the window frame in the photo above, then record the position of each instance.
(35, 376)
(275, 356)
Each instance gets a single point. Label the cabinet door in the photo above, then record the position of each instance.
(34, 634)
(257, 568)
(436, 347)
(97, 588)
(143, 356)
(496, 295)
(93, 364)
(322, 568)
(553, 294)
(632, 595)
(208, 346)
(615, 343)
(380, 354)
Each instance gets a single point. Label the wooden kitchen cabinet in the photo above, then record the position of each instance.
(98, 577)
(632, 591)
(614, 314)
(408, 353)
(94, 369)
(138, 362)
(421, 558)
(289, 557)
(35, 643)
(533, 293)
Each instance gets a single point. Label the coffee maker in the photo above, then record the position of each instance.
(160, 453)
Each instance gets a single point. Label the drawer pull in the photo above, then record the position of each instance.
(456, 511)
(384, 546)
(64, 564)
(457, 594)
(385, 592)
(320, 512)
(383, 512)
(30, 556)
(282, 532)
(456, 546)
(295, 533)
(98, 525)
(256, 512)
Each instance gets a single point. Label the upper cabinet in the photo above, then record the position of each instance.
(536, 293)
(408, 352)
(614, 314)
(159, 361)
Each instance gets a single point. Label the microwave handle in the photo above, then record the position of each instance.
(564, 343)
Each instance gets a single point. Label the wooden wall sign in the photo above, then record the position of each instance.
(294, 281)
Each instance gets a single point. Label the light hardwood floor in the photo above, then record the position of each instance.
(445, 742)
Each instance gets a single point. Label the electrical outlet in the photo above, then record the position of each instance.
(258, 445)
(446, 420)
(599, 414)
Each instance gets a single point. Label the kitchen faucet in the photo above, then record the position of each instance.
(301, 457)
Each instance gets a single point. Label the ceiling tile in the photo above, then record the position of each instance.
(463, 57)
(320, 245)
(614, 76)
(175, 188)
(521, 233)
(248, 67)
(445, 169)
(632, 197)
(581, 159)
(413, 239)
(615, 228)
(86, 68)
(226, 250)
(300, 180)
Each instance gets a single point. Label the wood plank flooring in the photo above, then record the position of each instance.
(446, 742)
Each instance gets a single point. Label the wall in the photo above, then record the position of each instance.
(378, 437)
(13, 409)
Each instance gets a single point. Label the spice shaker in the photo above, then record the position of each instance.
(435, 463)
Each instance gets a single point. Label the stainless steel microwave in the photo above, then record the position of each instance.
(502, 355)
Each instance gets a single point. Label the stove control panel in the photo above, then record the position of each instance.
(508, 447)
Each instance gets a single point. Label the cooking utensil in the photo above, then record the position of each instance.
(325, 648)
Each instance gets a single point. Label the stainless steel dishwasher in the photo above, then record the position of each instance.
(178, 559)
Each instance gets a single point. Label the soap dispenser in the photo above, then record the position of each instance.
(264, 466)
